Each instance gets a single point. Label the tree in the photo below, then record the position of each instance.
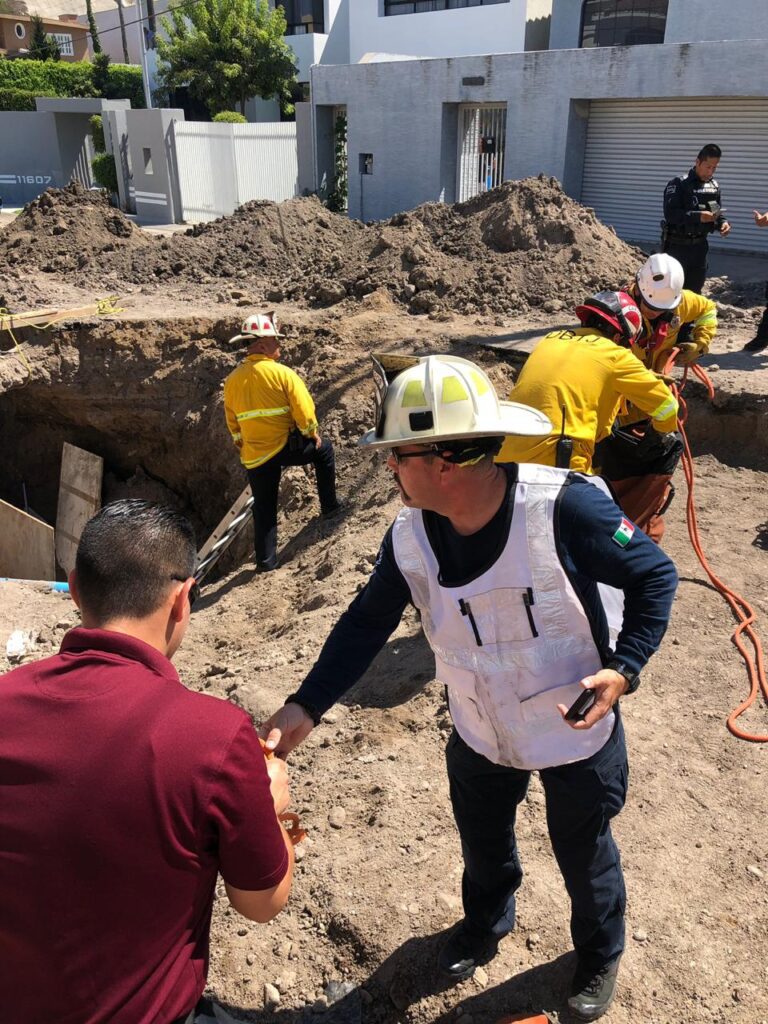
(121, 16)
(101, 73)
(225, 51)
(92, 30)
(41, 45)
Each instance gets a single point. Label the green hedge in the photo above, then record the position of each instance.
(58, 78)
(97, 133)
(19, 99)
(105, 171)
(230, 117)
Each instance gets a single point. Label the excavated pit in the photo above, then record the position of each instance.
(146, 396)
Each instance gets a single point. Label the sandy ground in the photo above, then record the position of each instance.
(378, 880)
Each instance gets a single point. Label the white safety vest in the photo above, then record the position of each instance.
(513, 643)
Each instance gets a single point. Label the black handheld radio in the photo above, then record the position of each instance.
(563, 448)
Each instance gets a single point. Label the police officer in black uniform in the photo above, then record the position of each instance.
(692, 211)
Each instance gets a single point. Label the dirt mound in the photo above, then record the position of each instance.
(63, 228)
(525, 244)
(280, 242)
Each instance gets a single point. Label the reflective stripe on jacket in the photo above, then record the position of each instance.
(514, 642)
(590, 377)
(263, 401)
(693, 309)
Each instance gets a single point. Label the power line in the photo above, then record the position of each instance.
(137, 21)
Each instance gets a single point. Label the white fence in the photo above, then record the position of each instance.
(220, 166)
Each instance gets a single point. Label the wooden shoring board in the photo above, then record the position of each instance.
(79, 497)
(26, 545)
(14, 321)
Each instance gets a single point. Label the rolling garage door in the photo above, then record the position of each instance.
(635, 146)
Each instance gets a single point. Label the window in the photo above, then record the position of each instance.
(66, 46)
(19, 30)
(303, 16)
(623, 22)
(424, 6)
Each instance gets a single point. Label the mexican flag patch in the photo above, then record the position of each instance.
(623, 535)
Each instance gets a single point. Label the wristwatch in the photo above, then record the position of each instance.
(633, 678)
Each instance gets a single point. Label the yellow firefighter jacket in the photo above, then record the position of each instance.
(693, 309)
(592, 378)
(263, 401)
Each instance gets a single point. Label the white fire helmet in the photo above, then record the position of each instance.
(660, 281)
(442, 398)
(259, 325)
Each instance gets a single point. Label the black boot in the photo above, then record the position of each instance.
(463, 952)
(592, 991)
(757, 344)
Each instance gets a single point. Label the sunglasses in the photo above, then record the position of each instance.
(399, 456)
(194, 590)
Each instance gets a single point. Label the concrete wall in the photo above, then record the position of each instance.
(33, 162)
(566, 24)
(154, 187)
(496, 28)
(545, 93)
(691, 20)
(258, 110)
(308, 50)
(337, 26)
(50, 146)
(688, 21)
(306, 180)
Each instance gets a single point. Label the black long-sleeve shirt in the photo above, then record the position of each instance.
(586, 522)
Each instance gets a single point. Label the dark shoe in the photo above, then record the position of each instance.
(463, 952)
(264, 567)
(592, 991)
(756, 345)
(332, 512)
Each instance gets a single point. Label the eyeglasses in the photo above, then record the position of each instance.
(399, 456)
(194, 590)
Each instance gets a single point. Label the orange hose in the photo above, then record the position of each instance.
(742, 610)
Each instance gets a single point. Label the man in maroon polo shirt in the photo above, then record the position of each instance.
(123, 794)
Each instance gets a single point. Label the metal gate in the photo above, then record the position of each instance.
(221, 166)
(634, 147)
(482, 139)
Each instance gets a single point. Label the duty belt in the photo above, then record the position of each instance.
(684, 239)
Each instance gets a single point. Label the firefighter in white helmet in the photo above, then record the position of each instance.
(667, 308)
(636, 459)
(506, 564)
(271, 417)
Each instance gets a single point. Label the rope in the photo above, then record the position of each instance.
(742, 610)
(103, 308)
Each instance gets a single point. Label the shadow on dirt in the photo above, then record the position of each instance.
(409, 975)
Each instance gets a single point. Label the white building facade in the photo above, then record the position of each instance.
(621, 102)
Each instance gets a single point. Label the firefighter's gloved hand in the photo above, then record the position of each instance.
(666, 377)
(688, 354)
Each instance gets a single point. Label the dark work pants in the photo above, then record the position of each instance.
(265, 484)
(581, 800)
(762, 327)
